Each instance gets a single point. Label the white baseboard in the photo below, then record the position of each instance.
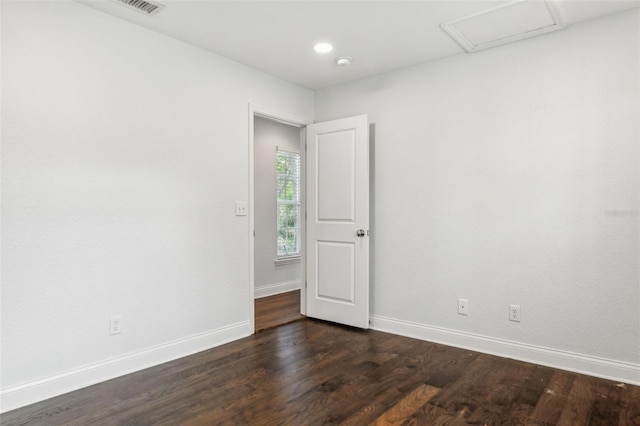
(273, 289)
(593, 366)
(28, 393)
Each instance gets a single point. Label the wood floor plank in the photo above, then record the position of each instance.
(429, 415)
(317, 403)
(378, 390)
(276, 310)
(549, 406)
(286, 385)
(607, 405)
(577, 409)
(629, 405)
(504, 395)
(462, 395)
(347, 403)
(316, 373)
(369, 410)
(396, 378)
(437, 416)
(408, 405)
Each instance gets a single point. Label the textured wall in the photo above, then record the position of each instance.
(511, 176)
(123, 153)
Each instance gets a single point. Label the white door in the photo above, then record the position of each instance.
(338, 221)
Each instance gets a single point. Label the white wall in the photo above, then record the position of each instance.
(270, 278)
(123, 153)
(511, 176)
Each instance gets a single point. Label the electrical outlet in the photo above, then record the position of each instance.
(241, 208)
(115, 326)
(463, 307)
(514, 313)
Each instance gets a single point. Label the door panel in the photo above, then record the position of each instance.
(336, 180)
(337, 208)
(335, 274)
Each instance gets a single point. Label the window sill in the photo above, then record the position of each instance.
(287, 260)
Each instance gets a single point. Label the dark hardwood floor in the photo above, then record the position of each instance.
(315, 373)
(277, 310)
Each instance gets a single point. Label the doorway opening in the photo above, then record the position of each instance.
(276, 217)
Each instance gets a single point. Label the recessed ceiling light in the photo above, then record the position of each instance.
(323, 47)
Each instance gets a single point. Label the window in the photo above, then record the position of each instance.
(288, 202)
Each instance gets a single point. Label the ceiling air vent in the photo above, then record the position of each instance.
(144, 6)
(509, 22)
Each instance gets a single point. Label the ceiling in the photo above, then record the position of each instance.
(277, 37)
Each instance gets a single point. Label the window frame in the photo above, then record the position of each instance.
(289, 257)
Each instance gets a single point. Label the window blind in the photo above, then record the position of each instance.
(288, 202)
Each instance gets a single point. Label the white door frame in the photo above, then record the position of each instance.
(256, 110)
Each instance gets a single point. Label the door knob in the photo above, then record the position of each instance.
(360, 232)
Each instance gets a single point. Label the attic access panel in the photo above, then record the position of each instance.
(505, 24)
